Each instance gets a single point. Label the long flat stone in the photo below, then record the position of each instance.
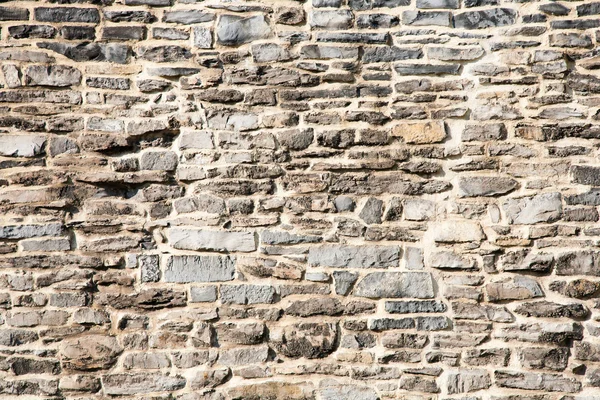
(201, 239)
(354, 256)
(378, 285)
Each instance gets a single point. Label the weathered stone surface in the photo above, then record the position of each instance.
(22, 145)
(518, 288)
(273, 390)
(310, 340)
(395, 284)
(315, 199)
(199, 269)
(56, 76)
(421, 132)
(233, 30)
(336, 391)
(243, 355)
(194, 239)
(354, 257)
(457, 231)
(530, 210)
(534, 381)
(468, 381)
(140, 383)
(474, 186)
(489, 18)
(247, 294)
(90, 352)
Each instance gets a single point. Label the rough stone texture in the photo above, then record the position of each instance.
(299, 199)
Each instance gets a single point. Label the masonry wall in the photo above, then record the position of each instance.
(328, 200)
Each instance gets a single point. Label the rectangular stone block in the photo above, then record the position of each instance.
(184, 269)
(247, 294)
(354, 256)
(21, 145)
(200, 239)
(395, 285)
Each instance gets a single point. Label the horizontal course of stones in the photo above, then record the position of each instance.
(300, 200)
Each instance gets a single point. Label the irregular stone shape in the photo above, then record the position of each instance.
(494, 17)
(586, 175)
(354, 256)
(421, 132)
(247, 294)
(17, 337)
(517, 288)
(146, 361)
(372, 211)
(212, 378)
(29, 231)
(188, 17)
(168, 53)
(587, 351)
(309, 339)
(331, 19)
(524, 260)
(344, 281)
(468, 381)
(79, 383)
(426, 18)
(89, 352)
(451, 261)
(273, 237)
(66, 14)
(24, 366)
(495, 357)
(149, 268)
(199, 269)
(395, 285)
(457, 231)
(21, 145)
(54, 75)
(290, 15)
(464, 310)
(536, 381)
(414, 307)
(484, 132)
(272, 390)
(240, 333)
(545, 358)
(390, 53)
(243, 355)
(339, 391)
(158, 160)
(578, 263)
(198, 239)
(269, 52)
(455, 53)
(546, 207)
(233, 30)
(140, 383)
(111, 52)
(546, 309)
(475, 186)
(315, 306)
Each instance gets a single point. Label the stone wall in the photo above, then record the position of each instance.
(328, 200)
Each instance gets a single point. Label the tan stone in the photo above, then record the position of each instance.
(421, 132)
